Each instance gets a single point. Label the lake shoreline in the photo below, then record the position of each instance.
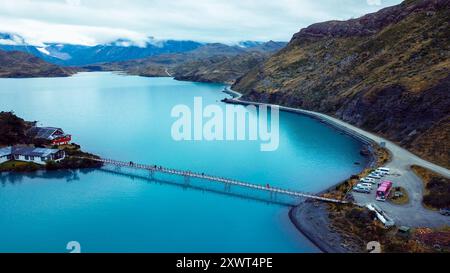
(364, 140)
(311, 218)
(258, 216)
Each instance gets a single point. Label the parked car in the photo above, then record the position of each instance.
(380, 173)
(366, 185)
(385, 171)
(445, 212)
(374, 175)
(360, 188)
(367, 180)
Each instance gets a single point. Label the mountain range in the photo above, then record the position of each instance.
(122, 50)
(208, 63)
(155, 58)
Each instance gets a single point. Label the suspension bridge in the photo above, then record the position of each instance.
(227, 181)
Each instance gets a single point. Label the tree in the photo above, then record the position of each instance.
(12, 129)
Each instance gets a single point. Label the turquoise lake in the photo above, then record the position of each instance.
(128, 118)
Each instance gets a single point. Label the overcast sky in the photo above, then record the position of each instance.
(91, 22)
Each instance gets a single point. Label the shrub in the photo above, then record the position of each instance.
(359, 217)
(51, 165)
(18, 166)
(438, 193)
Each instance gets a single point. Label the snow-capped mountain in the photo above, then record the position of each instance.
(76, 55)
(123, 49)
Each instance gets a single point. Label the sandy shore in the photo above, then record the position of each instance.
(311, 219)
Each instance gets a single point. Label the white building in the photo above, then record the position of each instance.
(31, 154)
(4, 154)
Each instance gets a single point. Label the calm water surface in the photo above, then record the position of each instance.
(128, 118)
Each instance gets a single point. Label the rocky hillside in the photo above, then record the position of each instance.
(209, 63)
(387, 72)
(224, 66)
(15, 64)
(221, 69)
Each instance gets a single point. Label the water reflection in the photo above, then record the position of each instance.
(205, 186)
(67, 175)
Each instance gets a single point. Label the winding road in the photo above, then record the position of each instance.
(167, 72)
(413, 214)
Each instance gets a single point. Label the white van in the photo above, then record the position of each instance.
(381, 215)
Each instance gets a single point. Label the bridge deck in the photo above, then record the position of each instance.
(214, 178)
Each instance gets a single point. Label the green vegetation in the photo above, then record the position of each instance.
(437, 188)
(438, 195)
(12, 129)
(399, 196)
(19, 166)
(74, 159)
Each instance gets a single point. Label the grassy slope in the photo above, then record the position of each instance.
(394, 82)
(223, 69)
(19, 166)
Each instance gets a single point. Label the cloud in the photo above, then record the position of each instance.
(99, 21)
(374, 2)
(73, 2)
(12, 39)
